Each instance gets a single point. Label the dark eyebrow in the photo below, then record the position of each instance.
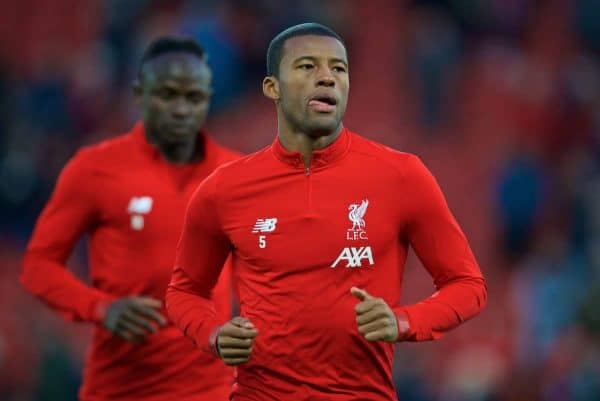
(194, 87)
(313, 59)
(339, 60)
(170, 85)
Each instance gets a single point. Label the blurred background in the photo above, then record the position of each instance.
(500, 98)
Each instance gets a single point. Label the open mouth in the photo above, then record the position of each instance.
(323, 103)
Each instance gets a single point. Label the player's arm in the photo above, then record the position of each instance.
(69, 213)
(444, 251)
(201, 253)
(222, 294)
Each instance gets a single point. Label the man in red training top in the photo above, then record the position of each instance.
(319, 223)
(129, 195)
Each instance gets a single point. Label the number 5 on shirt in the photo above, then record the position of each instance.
(262, 242)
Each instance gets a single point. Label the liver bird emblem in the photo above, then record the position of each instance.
(356, 215)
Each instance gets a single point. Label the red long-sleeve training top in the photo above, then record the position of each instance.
(301, 238)
(131, 204)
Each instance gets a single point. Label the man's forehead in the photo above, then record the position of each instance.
(313, 46)
(178, 64)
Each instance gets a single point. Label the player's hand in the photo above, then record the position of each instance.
(133, 318)
(235, 340)
(376, 320)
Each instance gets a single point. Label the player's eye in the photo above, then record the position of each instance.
(196, 97)
(306, 66)
(339, 68)
(167, 94)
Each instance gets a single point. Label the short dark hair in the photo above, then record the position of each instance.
(275, 51)
(170, 44)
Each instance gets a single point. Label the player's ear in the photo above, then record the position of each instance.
(138, 91)
(271, 87)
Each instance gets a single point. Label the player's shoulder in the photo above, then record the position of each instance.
(92, 161)
(243, 164)
(230, 175)
(103, 152)
(399, 160)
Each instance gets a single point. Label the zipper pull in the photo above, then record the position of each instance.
(307, 171)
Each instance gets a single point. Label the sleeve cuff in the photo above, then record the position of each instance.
(212, 341)
(405, 328)
(99, 309)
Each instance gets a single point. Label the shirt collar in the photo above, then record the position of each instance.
(320, 158)
(139, 135)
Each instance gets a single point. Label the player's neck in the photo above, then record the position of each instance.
(304, 143)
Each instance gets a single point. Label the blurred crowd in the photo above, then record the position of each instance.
(501, 99)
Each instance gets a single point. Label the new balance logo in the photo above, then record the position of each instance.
(354, 257)
(140, 205)
(265, 225)
(137, 208)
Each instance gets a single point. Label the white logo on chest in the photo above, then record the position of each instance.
(138, 207)
(264, 226)
(356, 216)
(354, 256)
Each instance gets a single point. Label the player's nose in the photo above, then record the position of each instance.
(180, 108)
(325, 78)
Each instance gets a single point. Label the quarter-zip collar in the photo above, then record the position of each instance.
(320, 158)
